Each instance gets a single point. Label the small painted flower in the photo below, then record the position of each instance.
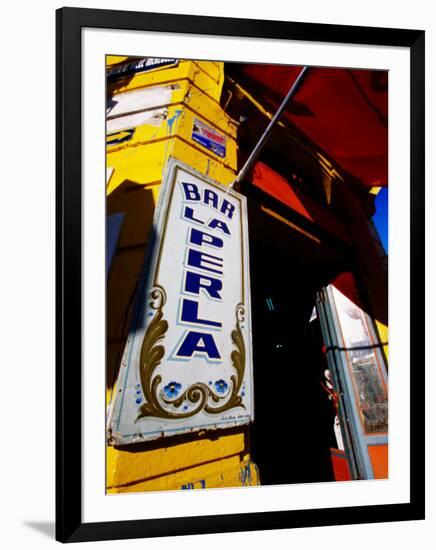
(221, 386)
(172, 389)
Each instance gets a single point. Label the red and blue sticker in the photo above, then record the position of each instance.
(209, 138)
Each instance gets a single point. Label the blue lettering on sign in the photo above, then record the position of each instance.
(195, 281)
(191, 192)
(189, 214)
(209, 265)
(205, 261)
(198, 342)
(199, 237)
(190, 314)
(227, 208)
(218, 224)
(209, 198)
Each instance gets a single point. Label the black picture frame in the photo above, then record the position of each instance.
(69, 525)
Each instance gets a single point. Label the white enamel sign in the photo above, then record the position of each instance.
(187, 365)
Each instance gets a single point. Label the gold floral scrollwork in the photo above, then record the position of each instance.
(238, 361)
(151, 353)
(198, 396)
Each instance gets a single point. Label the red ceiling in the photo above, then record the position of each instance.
(344, 111)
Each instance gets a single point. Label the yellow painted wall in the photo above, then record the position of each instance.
(136, 168)
(136, 172)
(114, 59)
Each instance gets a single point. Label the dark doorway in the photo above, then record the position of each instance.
(293, 431)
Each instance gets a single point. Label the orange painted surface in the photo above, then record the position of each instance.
(344, 111)
(341, 470)
(379, 460)
(278, 187)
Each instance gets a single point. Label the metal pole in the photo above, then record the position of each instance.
(267, 133)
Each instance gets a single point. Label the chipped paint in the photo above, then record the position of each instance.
(143, 99)
(171, 121)
(247, 476)
(154, 117)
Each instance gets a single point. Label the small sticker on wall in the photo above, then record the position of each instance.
(208, 137)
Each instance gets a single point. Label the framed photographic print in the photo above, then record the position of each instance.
(240, 271)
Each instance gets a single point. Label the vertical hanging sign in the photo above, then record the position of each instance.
(187, 365)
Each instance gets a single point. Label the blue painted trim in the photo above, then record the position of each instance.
(338, 386)
(355, 423)
(377, 440)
